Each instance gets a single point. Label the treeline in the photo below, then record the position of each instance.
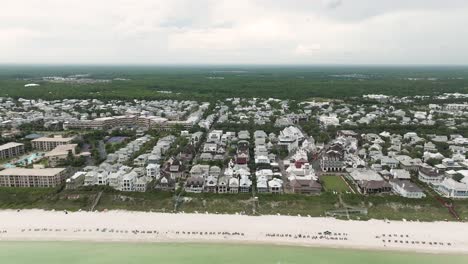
(325, 134)
(291, 83)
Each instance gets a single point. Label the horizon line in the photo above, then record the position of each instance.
(228, 65)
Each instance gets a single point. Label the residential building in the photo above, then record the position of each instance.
(245, 184)
(21, 177)
(390, 162)
(372, 186)
(400, 174)
(406, 189)
(141, 184)
(333, 159)
(49, 143)
(233, 185)
(153, 170)
(10, 150)
(275, 186)
(262, 184)
(430, 175)
(451, 188)
(165, 183)
(211, 184)
(223, 184)
(194, 184)
(305, 186)
(60, 154)
(410, 164)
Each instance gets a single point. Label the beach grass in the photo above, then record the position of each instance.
(397, 208)
(379, 207)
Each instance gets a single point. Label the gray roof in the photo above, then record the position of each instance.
(407, 185)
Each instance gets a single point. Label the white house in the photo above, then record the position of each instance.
(233, 185)
(262, 184)
(153, 170)
(275, 186)
(245, 184)
(406, 189)
(400, 174)
(452, 189)
(430, 175)
(390, 162)
(128, 182)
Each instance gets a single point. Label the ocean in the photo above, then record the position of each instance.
(186, 253)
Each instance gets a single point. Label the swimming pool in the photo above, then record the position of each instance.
(24, 160)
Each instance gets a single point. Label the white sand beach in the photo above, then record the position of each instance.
(39, 225)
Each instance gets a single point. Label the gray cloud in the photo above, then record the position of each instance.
(228, 31)
(332, 4)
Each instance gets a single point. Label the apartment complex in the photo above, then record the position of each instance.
(20, 177)
(11, 149)
(154, 122)
(60, 153)
(49, 143)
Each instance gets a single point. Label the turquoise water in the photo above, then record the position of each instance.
(164, 253)
(22, 161)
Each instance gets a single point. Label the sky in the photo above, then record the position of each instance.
(234, 32)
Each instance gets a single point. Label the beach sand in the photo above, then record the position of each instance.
(125, 226)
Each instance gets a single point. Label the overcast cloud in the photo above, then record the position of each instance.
(234, 31)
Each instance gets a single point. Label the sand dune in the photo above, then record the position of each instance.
(434, 237)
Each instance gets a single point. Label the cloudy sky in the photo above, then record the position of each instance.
(234, 31)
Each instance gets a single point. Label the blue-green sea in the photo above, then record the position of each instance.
(181, 253)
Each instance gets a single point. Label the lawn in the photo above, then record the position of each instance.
(334, 183)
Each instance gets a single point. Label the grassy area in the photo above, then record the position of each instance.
(48, 198)
(334, 183)
(379, 207)
(217, 203)
(150, 201)
(461, 206)
(294, 204)
(398, 208)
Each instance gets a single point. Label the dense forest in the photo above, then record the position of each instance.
(214, 82)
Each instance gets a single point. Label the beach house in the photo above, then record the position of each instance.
(406, 189)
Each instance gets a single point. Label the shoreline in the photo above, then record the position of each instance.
(146, 227)
(243, 243)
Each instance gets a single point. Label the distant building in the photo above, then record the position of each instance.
(11, 149)
(333, 159)
(60, 153)
(49, 143)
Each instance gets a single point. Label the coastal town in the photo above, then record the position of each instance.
(197, 132)
(239, 146)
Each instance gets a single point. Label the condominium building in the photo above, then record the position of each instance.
(49, 143)
(155, 122)
(21, 177)
(11, 149)
(60, 153)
